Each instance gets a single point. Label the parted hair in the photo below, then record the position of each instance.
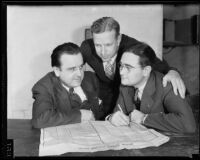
(105, 24)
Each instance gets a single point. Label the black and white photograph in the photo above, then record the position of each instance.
(97, 80)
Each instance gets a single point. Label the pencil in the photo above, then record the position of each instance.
(122, 112)
(120, 108)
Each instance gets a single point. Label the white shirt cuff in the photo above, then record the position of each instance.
(144, 118)
(107, 117)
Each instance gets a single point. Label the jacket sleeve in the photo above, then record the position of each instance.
(85, 50)
(46, 114)
(94, 100)
(178, 116)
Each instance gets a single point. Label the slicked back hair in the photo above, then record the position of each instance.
(65, 48)
(145, 52)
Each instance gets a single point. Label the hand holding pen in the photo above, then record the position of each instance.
(119, 118)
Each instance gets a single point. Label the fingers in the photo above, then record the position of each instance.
(164, 81)
(119, 119)
(175, 87)
(181, 88)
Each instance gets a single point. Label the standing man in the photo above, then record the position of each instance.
(67, 95)
(144, 100)
(104, 52)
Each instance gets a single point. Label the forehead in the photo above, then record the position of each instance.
(105, 37)
(130, 58)
(68, 61)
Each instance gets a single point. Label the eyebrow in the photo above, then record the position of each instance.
(76, 66)
(127, 65)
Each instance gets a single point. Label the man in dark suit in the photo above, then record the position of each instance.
(144, 100)
(66, 95)
(103, 53)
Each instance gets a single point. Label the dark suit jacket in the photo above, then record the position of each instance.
(52, 105)
(109, 89)
(166, 111)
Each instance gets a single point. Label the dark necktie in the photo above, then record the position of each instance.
(74, 98)
(136, 99)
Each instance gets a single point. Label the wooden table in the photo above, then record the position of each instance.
(26, 143)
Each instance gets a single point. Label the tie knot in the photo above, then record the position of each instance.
(71, 90)
(136, 94)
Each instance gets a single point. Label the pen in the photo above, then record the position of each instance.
(122, 112)
(120, 108)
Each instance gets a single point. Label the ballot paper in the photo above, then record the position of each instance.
(92, 136)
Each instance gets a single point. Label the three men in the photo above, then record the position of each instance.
(144, 100)
(68, 94)
(104, 52)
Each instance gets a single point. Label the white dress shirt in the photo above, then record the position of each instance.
(78, 90)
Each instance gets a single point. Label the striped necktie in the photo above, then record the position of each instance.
(110, 70)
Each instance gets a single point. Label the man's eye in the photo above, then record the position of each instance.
(97, 45)
(108, 45)
(128, 67)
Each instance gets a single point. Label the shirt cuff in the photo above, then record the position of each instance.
(107, 117)
(144, 118)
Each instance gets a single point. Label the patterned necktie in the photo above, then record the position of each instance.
(136, 99)
(74, 98)
(110, 70)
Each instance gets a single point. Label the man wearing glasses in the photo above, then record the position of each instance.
(68, 94)
(104, 51)
(144, 100)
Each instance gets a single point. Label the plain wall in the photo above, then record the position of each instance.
(34, 31)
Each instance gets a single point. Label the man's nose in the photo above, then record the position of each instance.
(79, 72)
(122, 71)
(103, 50)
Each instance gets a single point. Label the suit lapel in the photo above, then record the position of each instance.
(128, 94)
(61, 94)
(147, 96)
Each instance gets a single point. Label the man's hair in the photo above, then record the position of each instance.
(105, 24)
(66, 48)
(146, 54)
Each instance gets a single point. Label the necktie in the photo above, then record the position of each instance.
(110, 70)
(136, 99)
(74, 98)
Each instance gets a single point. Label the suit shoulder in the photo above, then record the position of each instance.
(159, 81)
(89, 75)
(86, 44)
(44, 81)
(123, 88)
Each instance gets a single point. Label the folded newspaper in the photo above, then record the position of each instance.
(95, 136)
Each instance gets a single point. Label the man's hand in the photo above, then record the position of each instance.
(177, 82)
(119, 119)
(87, 115)
(137, 116)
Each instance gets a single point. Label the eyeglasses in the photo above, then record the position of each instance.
(127, 67)
(73, 69)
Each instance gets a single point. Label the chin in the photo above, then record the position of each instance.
(76, 84)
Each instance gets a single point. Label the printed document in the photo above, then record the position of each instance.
(95, 136)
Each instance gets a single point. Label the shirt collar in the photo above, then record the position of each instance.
(111, 60)
(67, 88)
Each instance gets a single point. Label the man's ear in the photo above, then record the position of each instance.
(56, 71)
(119, 37)
(147, 70)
